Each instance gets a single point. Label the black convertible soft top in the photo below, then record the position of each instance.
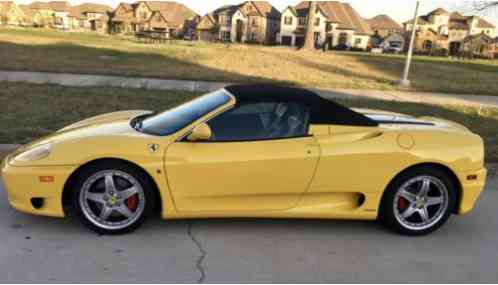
(323, 111)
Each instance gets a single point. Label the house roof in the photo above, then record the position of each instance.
(265, 9)
(383, 22)
(342, 13)
(422, 20)
(483, 24)
(27, 11)
(5, 7)
(207, 22)
(57, 6)
(483, 37)
(79, 10)
(292, 9)
(175, 13)
(439, 11)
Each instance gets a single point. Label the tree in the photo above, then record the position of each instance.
(309, 42)
(482, 6)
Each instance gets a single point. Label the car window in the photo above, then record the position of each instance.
(261, 121)
(173, 120)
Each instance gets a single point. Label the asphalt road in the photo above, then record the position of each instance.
(37, 249)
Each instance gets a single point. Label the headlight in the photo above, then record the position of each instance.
(36, 153)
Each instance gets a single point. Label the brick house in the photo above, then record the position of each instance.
(383, 25)
(89, 17)
(249, 22)
(54, 14)
(445, 31)
(336, 25)
(173, 18)
(387, 32)
(11, 14)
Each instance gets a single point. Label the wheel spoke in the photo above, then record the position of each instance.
(123, 210)
(105, 213)
(424, 214)
(408, 212)
(96, 197)
(109, 184)
(408, 195)
(434, 201)
(125, 194)
(424, 189)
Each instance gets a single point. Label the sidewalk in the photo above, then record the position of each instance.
(80, 80)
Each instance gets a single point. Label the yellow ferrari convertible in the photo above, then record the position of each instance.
(251, 151)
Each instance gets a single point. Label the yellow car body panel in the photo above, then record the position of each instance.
(336, 172)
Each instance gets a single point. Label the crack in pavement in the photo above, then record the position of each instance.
(201, 249)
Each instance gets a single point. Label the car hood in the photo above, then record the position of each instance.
(107, 118)
(399, 120)
(111, 124)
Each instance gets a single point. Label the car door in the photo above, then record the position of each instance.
(260, 157)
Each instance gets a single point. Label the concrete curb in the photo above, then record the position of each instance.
(83, 80)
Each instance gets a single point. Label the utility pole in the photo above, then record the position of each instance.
(404, 81)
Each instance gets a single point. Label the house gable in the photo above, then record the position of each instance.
(206, 23)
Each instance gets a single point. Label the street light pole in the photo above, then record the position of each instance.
(404, 81)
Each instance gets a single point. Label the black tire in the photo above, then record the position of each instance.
(387, 212)
(150, 196)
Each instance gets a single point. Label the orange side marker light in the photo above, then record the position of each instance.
(47, 179)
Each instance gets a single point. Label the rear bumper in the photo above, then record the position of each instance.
(23, 184)
(471, 189)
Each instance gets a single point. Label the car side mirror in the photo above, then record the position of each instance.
(201, 132)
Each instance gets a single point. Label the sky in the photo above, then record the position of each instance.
(400, 10)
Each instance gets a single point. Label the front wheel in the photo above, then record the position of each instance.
(112, 198)
(419, 201)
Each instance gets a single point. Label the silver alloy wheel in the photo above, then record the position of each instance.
(105, 199)
(421, 203)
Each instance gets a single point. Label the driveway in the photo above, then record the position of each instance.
(36, 249)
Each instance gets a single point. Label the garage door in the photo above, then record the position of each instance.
(299, 41)
(286, 41)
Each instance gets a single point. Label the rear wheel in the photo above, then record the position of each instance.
(112, 198)
(419, 201)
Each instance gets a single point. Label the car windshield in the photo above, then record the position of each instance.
(173, 120)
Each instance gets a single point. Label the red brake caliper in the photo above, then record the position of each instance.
(132, 202)
(402, 204)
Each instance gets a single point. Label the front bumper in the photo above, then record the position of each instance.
(471, 189)
(23, 184)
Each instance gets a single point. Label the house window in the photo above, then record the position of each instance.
(329, 27)
(227, 21)
(58, 21)
(357, 41)
(252, 37)
(317, 22)
(225, 36)
(253, 22)
(427, 45)
(143, 15)
(302, 21)
(288, 21)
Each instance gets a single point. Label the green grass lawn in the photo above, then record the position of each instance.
(53, 51)
(29, 111)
